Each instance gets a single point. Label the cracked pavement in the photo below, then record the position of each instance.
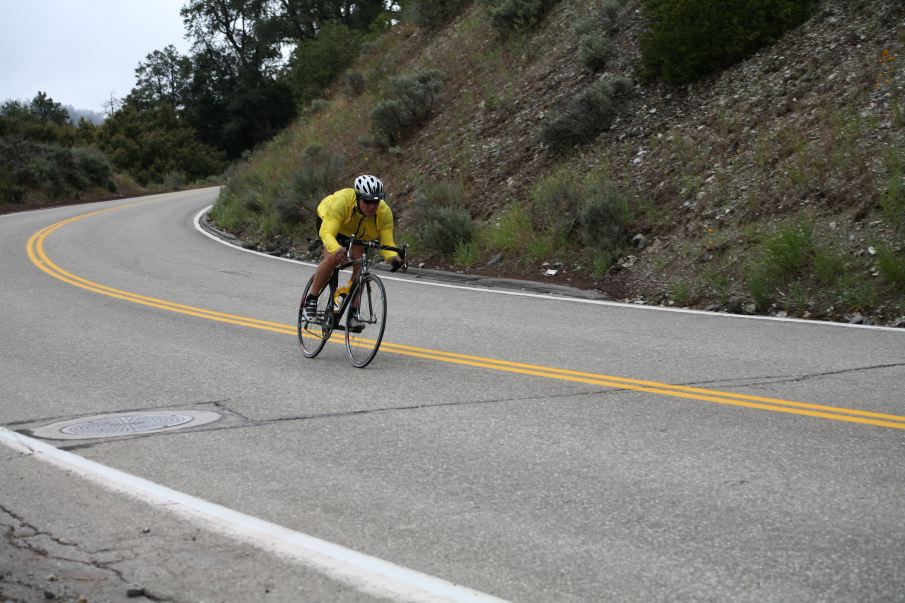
(106, 547)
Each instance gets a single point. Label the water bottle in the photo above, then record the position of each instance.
(340, 296)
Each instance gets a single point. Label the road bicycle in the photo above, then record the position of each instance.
(365, 306)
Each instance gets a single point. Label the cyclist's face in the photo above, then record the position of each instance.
(368, 209)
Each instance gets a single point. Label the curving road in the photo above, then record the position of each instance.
(501, 446)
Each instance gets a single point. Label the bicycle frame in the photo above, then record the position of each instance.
(370, 249)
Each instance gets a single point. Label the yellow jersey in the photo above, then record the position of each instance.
(340, 215)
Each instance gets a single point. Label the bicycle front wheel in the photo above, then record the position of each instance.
(365, 323)
(314, 331)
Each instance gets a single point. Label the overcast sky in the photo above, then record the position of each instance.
(81, 51)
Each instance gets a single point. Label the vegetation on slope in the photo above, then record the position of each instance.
(774, 185)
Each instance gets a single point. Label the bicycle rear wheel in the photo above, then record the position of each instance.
(314, 331)
(362, 344)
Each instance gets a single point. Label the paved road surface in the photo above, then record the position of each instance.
(528, 448)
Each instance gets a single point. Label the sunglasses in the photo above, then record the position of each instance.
(369, 201)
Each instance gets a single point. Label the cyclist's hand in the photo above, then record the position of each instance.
(340, 256)
(398, 264)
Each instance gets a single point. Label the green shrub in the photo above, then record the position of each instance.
(318, 174)
(891, 268)
(760, 285)
(828, 266)
(892, 200)
(789, 251)
(467, 254)
(593, 50)
(517, 15)
(858, 294)
(411, 103)
(446, 228)
(605, 218)
(610, 11)
(355, 83)
(93, 165)
(49, 170)
(318, 105)
(444, 194)
(690, 39)
(434, 14)
(388, 123)
(556, 200)
(789, 255)
(584, 116)
(681, 293)
(513, 231)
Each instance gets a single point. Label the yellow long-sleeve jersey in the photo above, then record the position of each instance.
(340, 215)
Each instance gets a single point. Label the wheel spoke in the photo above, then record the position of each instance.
(313, 332)
(363, 339)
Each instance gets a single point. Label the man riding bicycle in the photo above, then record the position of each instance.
(361, 212)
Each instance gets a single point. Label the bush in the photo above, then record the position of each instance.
(891, 268)
(388, 122)
(355, 83)
(587, 114)
(446, 228)
(790, 254)
(517, 15)
(689, 39)
(317, 176)
(605, 218)
(593, 50)
(556, 201)
(410, 105)
(892, 200)
(434, 14)
(93, 165)
(49, 170)
(789, 251)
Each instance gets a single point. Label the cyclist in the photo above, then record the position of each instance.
(361, 212)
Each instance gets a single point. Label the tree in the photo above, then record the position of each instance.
(293, 21)
(47, 111)
(235, 78)
(229, 28)
(150, 143)
(165, 76)
(41, 120)
(316, 62)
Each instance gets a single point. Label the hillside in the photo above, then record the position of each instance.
(775, 187)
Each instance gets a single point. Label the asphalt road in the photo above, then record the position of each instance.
(524, 447)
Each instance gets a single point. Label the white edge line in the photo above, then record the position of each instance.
(360, 571)
(579, 300)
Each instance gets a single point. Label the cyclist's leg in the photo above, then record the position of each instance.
(322, 273)
(357, 252)
(324, 268)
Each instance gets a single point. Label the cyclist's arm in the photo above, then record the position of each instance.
(328, 231)
(334, 211)
(386, 233)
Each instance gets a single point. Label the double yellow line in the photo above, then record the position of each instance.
(37, 255)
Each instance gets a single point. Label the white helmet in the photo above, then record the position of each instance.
(370, 188)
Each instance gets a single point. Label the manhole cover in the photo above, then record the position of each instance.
(124, 424)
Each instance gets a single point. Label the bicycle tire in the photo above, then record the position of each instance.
(313, 334)
(362, 346)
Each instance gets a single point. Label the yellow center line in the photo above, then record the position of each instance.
(37, 255)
